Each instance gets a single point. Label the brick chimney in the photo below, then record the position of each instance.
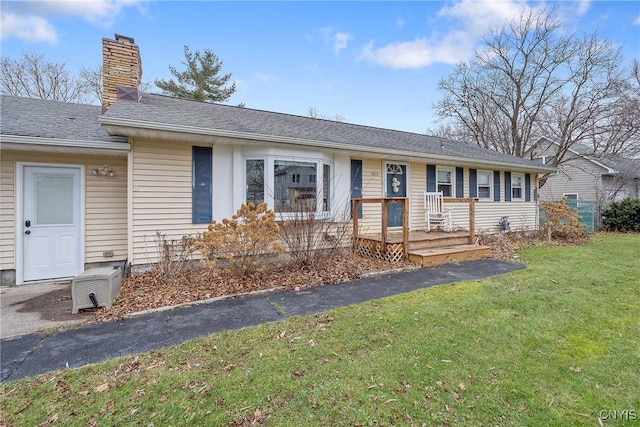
(121, 70)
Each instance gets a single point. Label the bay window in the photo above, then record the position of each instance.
(289, 186)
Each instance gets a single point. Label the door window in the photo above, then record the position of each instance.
(54, 200)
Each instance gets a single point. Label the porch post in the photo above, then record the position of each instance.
(354, 215)
(472, 220)
(405, 227)
(383, 232)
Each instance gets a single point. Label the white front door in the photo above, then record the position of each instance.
(51, 223)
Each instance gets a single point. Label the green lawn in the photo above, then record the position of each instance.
(555, 344)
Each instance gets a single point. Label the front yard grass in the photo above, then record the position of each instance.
(555, 344)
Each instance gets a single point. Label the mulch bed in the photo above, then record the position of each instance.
(153, 289)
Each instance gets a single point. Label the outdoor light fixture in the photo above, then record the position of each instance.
(104, 170)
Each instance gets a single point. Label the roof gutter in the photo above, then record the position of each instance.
(120, 126)
(55, 142)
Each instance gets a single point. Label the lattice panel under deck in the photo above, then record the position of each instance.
(373, 249)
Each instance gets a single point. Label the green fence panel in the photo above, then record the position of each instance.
(586, 209)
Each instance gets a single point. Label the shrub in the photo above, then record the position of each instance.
(245, 241)
(174, 257)
(313, 238)
(622, 216)
(561, 222)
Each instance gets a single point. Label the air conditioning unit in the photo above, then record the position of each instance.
(96, 287)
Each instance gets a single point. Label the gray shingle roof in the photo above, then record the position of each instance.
(617, 163)
(154, 108)
(52, 119)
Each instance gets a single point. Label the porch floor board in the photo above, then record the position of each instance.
(415, 236)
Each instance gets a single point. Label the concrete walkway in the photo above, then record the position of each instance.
(37, 353)
(36, 307)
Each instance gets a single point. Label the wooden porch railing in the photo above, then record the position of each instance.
(385, 201)
(472, 214)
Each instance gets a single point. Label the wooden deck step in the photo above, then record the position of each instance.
(444, 241)
(435, 256)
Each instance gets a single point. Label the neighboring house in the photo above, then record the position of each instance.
(81, 189)
(585, 176)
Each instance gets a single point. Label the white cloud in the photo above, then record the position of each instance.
(400, 22)
(479, 16)
(467, 20)
(418, 53)
(583, 7)
(28, 28)
(32, 20)
(637, 21)
(336, 39)
(340, 41)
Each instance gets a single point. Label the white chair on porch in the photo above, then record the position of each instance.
(434, 213)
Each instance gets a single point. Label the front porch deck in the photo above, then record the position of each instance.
(424, 249)
(419, 246)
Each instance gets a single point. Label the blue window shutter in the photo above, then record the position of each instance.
(356, 183)
(473, 183)
(527, 187)
(459, 182)
(201, 197)
(431, 178)
(507, 186)
(496, 186)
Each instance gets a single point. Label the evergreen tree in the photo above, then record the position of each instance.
(200, 81)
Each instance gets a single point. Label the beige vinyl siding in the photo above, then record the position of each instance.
(371, 188)
(161, 196)
(522, 215)
(105, 209)
(7, 213)
(418, 175)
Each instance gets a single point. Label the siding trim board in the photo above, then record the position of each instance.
(459, 182)
(507, 186)
(356, 184)
(473, 183)
(431, 178)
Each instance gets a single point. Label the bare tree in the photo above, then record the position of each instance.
(532, 80)
(32, 76)
(91, 81)
(315, 114)
(623, 126)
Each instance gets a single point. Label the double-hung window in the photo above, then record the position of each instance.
(517, 185)
(484, 185)
(445, 181)
(254, 181)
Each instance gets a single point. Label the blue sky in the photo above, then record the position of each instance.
(374, 63)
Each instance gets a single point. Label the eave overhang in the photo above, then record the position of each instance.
(18, 142)
(144, 129)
